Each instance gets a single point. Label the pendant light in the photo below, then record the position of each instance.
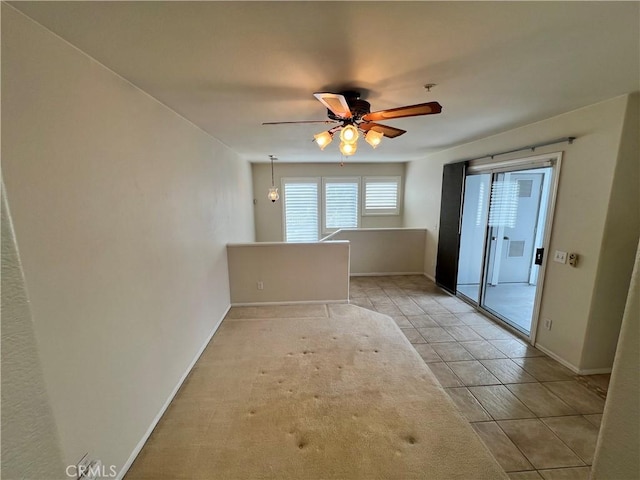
(273, 194)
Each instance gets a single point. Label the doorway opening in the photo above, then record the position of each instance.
(505, 227)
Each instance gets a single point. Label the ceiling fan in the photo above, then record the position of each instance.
(353, 115)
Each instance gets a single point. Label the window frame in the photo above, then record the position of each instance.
(397, 179)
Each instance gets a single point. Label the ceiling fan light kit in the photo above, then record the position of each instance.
(354, 115)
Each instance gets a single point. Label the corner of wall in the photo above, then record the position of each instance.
(30, 443)
(616, 454)
(619, 243)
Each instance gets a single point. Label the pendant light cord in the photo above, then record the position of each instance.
(272, 184)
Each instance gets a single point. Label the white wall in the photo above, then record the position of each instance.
(581, 211)
(269, 216)
(289, 272)
(122, 210)
(384, 250)
(616, 455)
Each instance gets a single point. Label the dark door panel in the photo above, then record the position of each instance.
(449, 233)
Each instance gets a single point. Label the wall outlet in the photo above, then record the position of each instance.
(260, 285)
(573, 259)
(560, 257)
(547, 323)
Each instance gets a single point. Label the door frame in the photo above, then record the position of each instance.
(553, 160)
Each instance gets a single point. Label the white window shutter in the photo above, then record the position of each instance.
(340, 204)
(301, 211)
(381, 195)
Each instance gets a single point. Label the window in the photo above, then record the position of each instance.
(340, 203)
(381, 196)
(337, 202)
(300, 203)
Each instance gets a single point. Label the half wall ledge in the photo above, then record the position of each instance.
(280, 272)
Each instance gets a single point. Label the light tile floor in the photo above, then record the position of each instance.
(538, 419)
(513, 301)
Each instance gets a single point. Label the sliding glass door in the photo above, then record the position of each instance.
(517, 214)
(502, 236)
(472, 235)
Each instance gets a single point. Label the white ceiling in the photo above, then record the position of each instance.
(229, 66)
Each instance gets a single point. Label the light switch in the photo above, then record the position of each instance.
(560, 257)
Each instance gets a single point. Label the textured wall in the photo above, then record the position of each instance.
(30, 446)
(122, 211)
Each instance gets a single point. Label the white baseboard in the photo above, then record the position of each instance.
(557, 358)
(572, 367)
(299, 302)
(155, 421)
(430, 277)
(594, 371)
(383, 274)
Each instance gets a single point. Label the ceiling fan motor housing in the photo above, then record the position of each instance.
(358, 107)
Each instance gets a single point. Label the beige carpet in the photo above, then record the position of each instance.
(312, 392)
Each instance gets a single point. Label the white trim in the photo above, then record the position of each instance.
(430, 277)
(382, 179)
(520, 163)
(546, 243)
(280, 244)
(145, 437)
(384, 229)
(558, 358)
(296, 302)
(383, 274)
(571, 366)
(594, 371)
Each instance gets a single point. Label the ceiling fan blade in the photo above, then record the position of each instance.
(400, 112)
(301, 121)
(387, 131)
(336, 103)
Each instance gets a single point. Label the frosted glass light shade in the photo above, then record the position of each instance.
(323, 139)
(348, 149)
(349, 134)
(273, 194)
(373, 138)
